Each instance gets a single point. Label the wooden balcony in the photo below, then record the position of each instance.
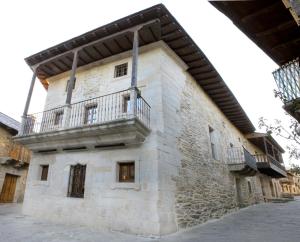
(14, 154)
(240, 161)
(287, 78)
(102, 122)
(269, 166)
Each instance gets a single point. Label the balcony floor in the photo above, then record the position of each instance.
(271, 170)
(111, 134)
(242, 169)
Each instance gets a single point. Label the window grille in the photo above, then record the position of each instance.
(76, 181)
(121, 70)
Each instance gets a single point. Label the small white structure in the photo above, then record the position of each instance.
(135, 138)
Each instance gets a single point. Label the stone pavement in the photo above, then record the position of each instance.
(272, 222)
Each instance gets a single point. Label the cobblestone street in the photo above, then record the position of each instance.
(274, 222)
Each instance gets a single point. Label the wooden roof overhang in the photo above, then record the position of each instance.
(157, 24)
(268, 23)
(258, 140)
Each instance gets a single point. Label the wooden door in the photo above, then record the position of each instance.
(8, 189)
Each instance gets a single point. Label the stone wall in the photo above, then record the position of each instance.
(5, 139)
(194, 185)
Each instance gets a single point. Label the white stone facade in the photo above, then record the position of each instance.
(177, 182)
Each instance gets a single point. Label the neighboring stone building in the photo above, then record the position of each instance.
(148, 148)
(291, 184)
(14, 161)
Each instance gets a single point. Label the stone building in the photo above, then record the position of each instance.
(14, 161)
(140, 133)
(291, 184)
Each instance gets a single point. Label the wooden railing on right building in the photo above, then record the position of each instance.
(268, 159)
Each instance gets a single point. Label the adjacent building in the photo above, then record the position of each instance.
(14, 161)
(274, 25)
(290, 185)
(140, 133)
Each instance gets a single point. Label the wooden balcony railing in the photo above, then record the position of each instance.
(269, 159)
(99, 110)
(287, 79)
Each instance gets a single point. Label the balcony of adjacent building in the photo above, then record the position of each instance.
(111, 120)
(287, 78)
(269, 161)
(241, 162)
(14, 154)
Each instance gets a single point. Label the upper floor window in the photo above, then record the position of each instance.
(58, 118)
(126, 103)
(213, 143)
(121, 70)
(90, 114)
(77, 181)
(68, 84)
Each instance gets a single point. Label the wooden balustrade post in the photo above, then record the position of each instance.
(25, 112)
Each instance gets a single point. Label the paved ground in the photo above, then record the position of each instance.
(271, 222)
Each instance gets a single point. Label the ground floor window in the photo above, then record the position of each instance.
(126, 171)
(76, 181)
(44, 172)
(249, 187)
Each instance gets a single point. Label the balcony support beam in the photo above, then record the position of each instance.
(72, 78)
(25, 112)
(66, 116)
(134, 69)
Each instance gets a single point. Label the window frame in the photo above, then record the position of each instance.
(71, 188)
(57, 119)
(136, 185)
(130, 165)
(92, 106)
(44, 175)
(123, 71)
(249, 187)
(213, 143)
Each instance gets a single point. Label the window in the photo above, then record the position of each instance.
(76, 181)
(68, 84)
(90, 114)
(44, 172)
(212, 137)
(249, 187)
(126, 103)
(58, 118)
(126, 171)
(121, 70)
